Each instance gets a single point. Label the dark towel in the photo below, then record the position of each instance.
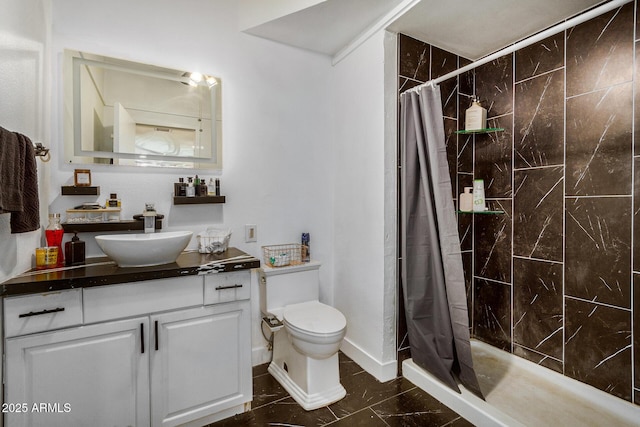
(19, 182)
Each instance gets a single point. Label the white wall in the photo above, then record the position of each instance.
(360, 289)
(24, 61)
(276, 130)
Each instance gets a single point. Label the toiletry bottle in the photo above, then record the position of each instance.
(74, 251)
(204, 189)
(196, 185)
(466, 200)
(306, 251)
(211, 188)
(475, 117)
(182, 188)
(53, 234)
(176, 187)
(217, 187)
(191, 191)
(478, 196)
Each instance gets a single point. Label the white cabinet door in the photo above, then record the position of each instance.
(200, 362)
(94, 375)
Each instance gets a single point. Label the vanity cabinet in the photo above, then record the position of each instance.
(95, 375)
(198, 362)
(161, 352)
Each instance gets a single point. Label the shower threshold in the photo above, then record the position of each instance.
(521, 393)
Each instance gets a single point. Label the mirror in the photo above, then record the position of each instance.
(126, 113)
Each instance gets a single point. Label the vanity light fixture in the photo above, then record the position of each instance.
(196, 78)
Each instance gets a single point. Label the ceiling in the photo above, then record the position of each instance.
(469, 28)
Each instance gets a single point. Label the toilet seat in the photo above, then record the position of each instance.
(314, 318)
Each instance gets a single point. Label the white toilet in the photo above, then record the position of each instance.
(305, 349)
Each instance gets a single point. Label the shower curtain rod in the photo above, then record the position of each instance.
(528, 41)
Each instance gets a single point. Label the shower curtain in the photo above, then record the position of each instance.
(432, 274)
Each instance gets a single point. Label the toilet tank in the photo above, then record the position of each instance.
(281, 286)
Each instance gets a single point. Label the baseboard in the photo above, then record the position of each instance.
(260, 355)
(382, 371)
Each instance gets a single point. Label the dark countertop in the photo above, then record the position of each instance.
(101, 271)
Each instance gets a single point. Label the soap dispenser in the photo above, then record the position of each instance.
(74, 251)
(149, 215)
(475, 116)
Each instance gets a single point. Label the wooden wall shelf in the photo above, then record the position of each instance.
(182, 200)
(71, 190)
(91, 227)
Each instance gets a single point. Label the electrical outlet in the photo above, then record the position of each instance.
(250, 233)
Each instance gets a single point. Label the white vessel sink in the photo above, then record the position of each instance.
(143, 250)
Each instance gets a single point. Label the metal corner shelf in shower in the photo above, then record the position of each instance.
(487, 130)
(481, 212)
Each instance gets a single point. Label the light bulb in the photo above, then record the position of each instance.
(196, 77)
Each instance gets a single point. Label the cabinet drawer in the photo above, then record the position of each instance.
(226, 287)
(42, 312)
(103, 303)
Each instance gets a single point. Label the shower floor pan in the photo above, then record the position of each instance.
(521, 393)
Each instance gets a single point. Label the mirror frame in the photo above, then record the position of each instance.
(75, 153)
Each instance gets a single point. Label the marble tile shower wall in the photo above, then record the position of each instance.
(556, 278)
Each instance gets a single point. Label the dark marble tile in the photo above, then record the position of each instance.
(364, 418)
(449, 95)
(451, 144)
(405, 84)
(414, 58)
(402, 337)
(636, 329)
(539, 121)
(598, 144)
(598, 249)
(266, 390)
(494, 86)
(538, 358)
(466, 80)
(288, 412)
(636, 216)
(492, 313)
(537, 213)
(600, 52)
(537, 306)
(442, 62)
(465, 152)
(465, 222)
(637, 23)
(493, 152)
(403, 355)
(467, 265)
(364, 390)
(540, 58)
(259, 370)
(598, 346)
(636, 117)
(416, 408)
(492, 237)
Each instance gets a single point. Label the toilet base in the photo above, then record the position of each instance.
(313, 383)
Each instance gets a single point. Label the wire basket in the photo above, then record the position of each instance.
(281, 255)
(213, 241)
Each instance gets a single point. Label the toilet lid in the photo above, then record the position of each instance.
(313, 316)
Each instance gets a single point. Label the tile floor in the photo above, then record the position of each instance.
(367, 403)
